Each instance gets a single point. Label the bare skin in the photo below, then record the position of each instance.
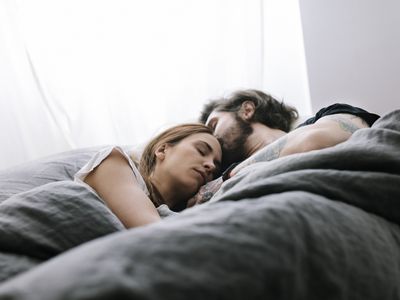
(115, 183)
(180, 170)
(326, 132)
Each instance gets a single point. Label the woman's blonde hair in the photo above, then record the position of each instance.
(171, 136)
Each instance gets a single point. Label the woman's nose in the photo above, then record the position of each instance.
(210, 167)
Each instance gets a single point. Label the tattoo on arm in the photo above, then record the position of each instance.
(269, 152)
(205, 195)
(208, 190)
(345, 123)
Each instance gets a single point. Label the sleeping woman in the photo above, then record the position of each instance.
(172, 168)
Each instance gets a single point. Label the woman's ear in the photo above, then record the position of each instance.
(161, 151)
(247, 110)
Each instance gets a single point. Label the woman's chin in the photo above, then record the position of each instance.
(192, 185)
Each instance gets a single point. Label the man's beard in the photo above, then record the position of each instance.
(234, 149)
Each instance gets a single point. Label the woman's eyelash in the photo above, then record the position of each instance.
(200, 151)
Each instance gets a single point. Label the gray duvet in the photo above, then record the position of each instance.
(319, 225)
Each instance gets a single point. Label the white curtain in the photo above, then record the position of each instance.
(77, 73)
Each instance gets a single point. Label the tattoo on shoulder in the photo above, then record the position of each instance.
(346, 124)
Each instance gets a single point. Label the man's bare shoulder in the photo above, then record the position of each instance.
(346, 122)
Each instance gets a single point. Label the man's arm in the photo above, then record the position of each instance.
(206, 192)
(326, 132)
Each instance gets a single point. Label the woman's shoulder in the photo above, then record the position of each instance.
(101, 155)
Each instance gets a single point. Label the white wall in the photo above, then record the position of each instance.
(353, 52)
(285, 73)
(76, 74)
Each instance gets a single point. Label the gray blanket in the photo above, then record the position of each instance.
(44, 213)
(320, 225)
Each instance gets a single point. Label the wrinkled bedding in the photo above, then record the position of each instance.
(44, 213)
(318, 225)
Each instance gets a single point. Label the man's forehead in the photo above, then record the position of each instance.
(215, 114)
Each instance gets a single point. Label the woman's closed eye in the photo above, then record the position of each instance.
(201, 150)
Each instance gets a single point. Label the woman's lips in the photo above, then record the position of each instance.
(202, 174)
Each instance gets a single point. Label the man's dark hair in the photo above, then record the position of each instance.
(268, 111)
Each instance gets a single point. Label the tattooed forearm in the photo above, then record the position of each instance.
(205, 195)
(269, 152)
(206, 192)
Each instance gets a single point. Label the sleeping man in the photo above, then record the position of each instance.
(253, 126)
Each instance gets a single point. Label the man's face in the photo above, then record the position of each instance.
(233, 132)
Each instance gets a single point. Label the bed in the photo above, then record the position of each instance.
(318, 225)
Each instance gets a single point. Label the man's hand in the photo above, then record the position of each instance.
(206, 192)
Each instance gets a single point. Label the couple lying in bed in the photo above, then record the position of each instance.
(177, 166)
